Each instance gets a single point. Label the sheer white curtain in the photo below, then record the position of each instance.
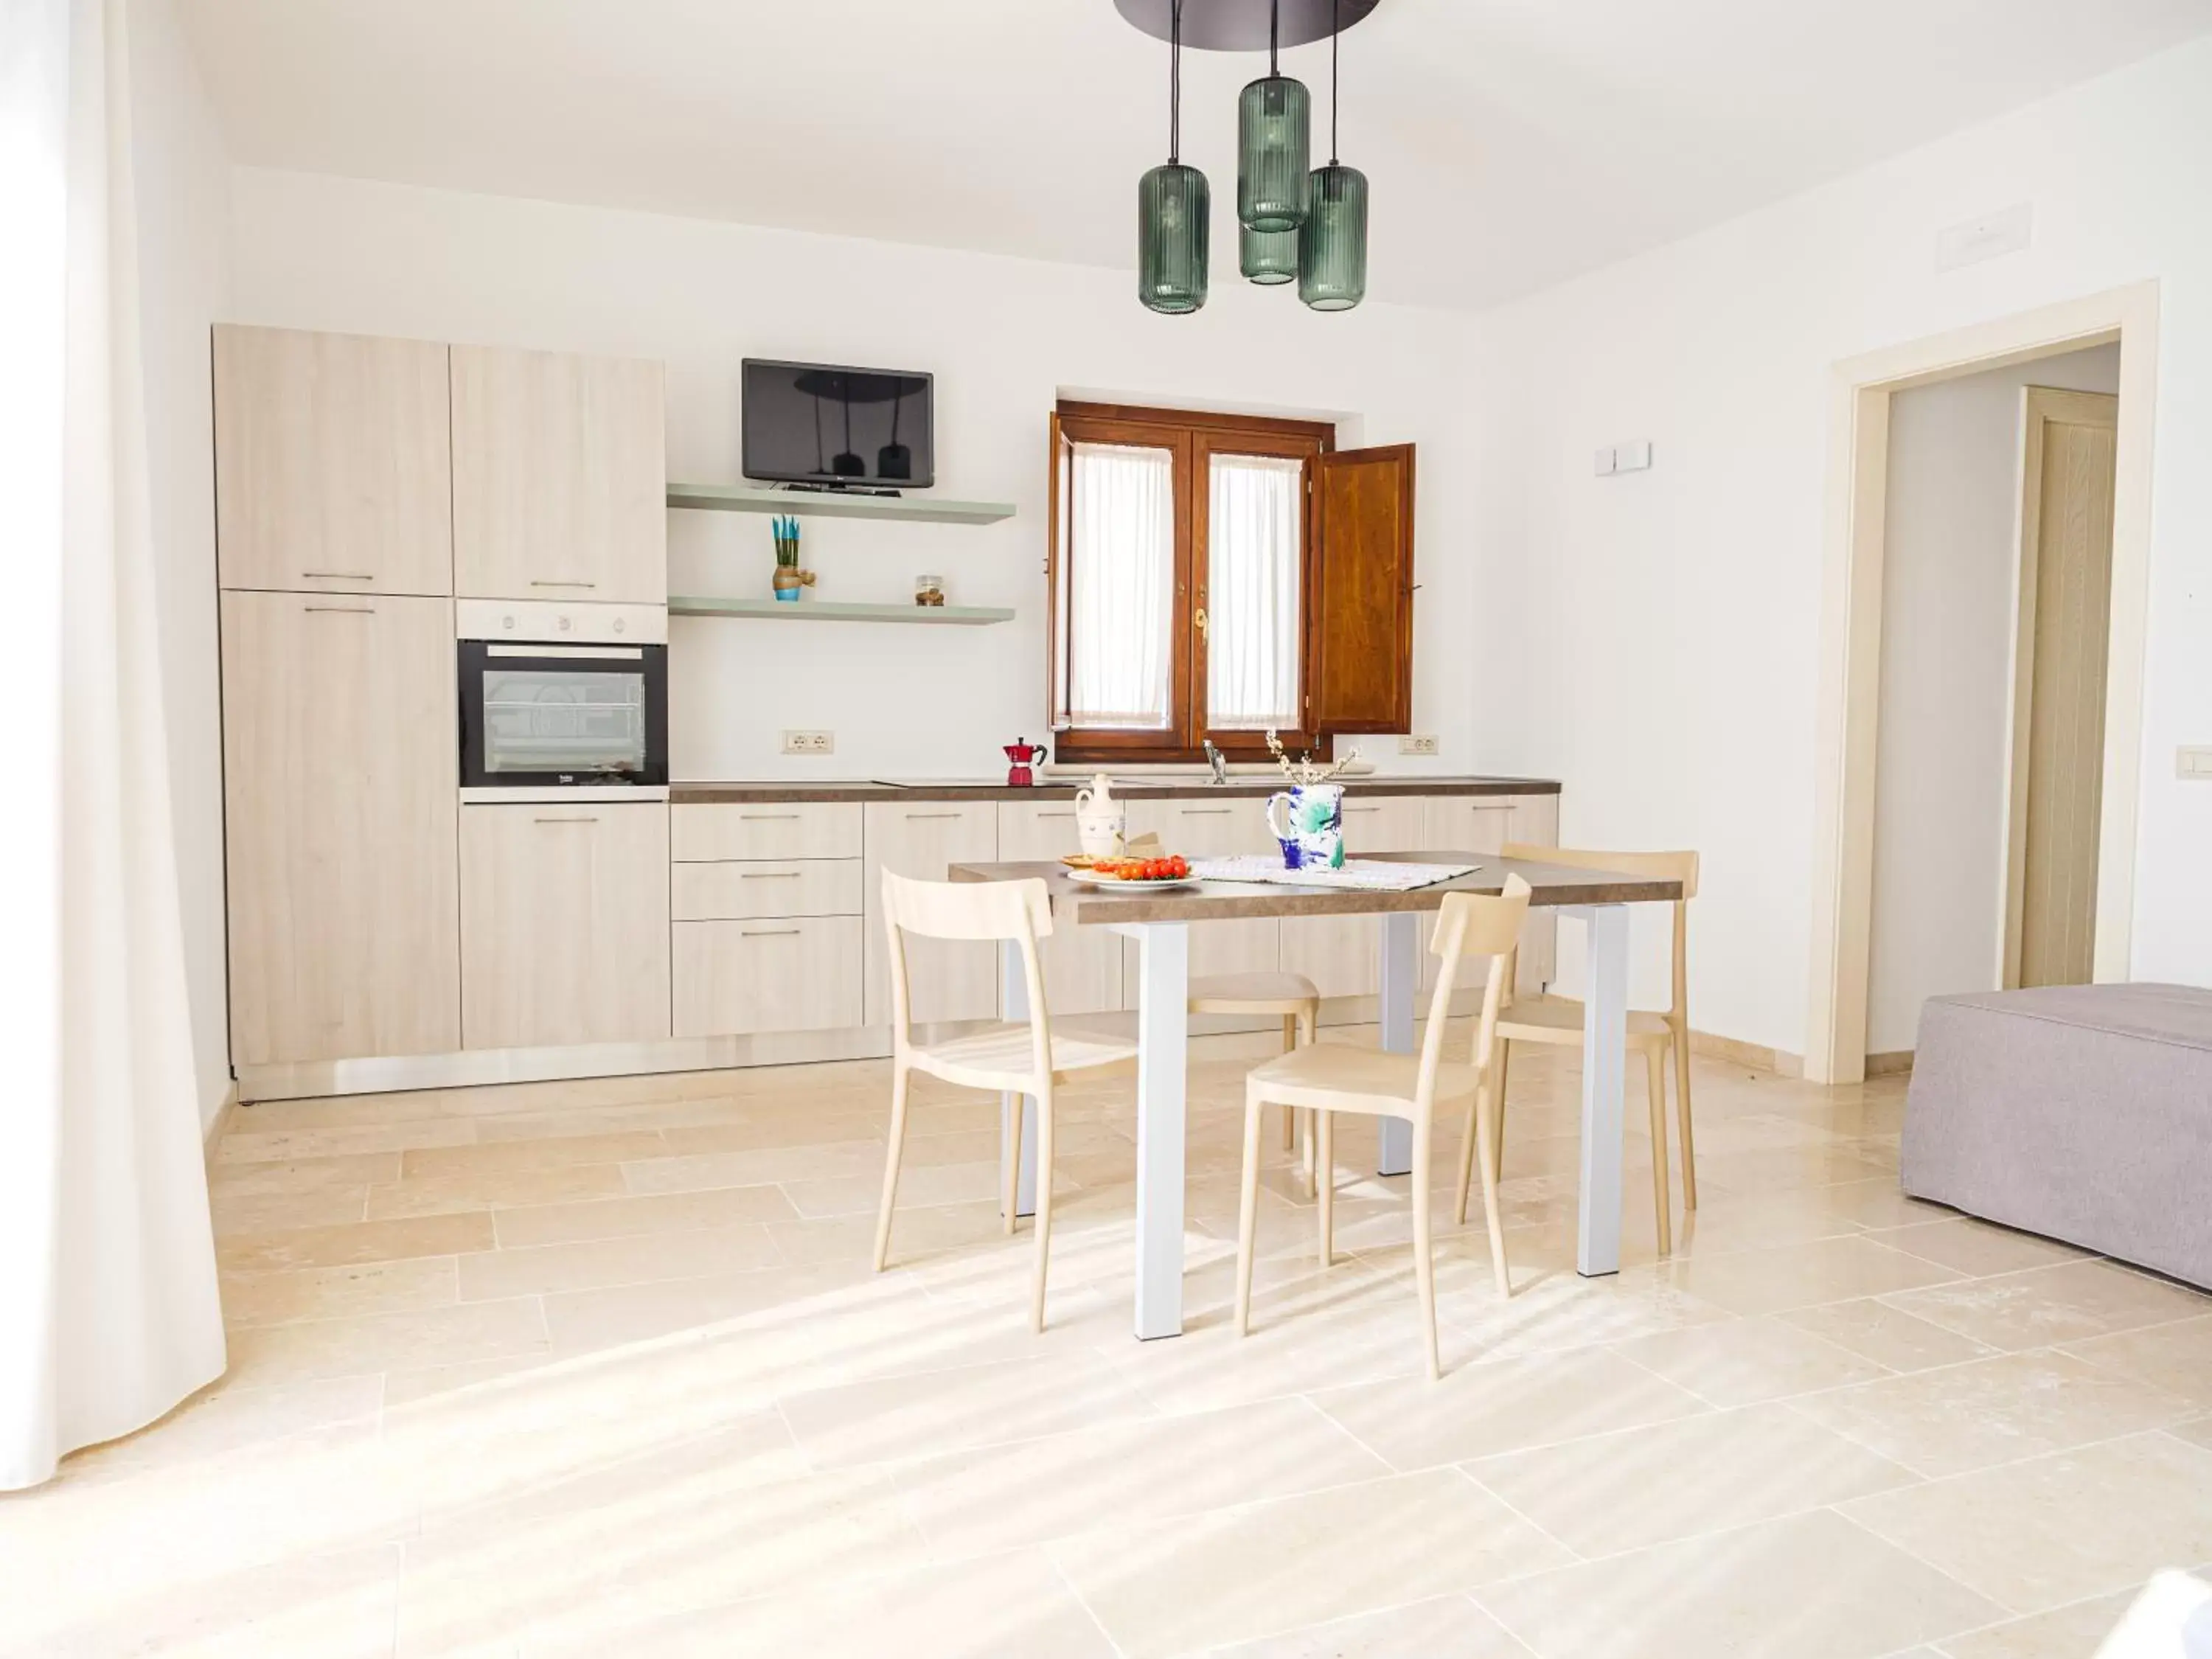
(108, 1308)
(1252, 556)
(1120, 581)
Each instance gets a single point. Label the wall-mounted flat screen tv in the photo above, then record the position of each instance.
(819, 424)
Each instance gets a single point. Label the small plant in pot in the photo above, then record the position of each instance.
(790, 580)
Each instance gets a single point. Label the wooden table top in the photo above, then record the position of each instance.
(1226, 901)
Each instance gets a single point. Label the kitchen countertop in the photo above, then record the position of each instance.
(698, 793)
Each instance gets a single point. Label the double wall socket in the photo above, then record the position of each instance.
(810, 743)
(1419, 742)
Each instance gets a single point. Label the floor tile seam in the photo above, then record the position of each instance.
(1060, 1571)
(1931, 1318)
(1575, 1556)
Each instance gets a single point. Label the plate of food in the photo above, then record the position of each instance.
(1131, 872)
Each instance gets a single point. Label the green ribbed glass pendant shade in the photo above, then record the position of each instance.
(1274, 149)
(1267, 258)
(1173, 208)
(1332, 246)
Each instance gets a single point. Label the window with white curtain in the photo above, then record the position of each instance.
(1253, 547)
(1120, 564)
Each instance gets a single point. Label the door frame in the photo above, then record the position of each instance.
(1854, 536)
(2036, 403)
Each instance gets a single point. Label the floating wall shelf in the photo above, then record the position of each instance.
(827, 504)
(941, 616)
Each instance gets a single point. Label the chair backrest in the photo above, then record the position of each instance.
(1006, 912)
(1659, 866)
(1472, 925)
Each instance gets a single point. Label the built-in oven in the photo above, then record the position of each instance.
(559, 696)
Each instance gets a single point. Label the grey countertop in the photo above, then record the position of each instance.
(696, 793)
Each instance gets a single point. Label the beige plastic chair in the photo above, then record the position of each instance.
(1326, 1079)
(1026, 1058)
(1652, 1035)
(1292, 998)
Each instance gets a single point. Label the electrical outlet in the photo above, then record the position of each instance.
(810, 743)
(1424, 743)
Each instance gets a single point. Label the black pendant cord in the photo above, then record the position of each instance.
(1174, 83)
(1335, 34)
(1274, 37)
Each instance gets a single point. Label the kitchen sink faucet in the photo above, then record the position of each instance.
(1217, 761)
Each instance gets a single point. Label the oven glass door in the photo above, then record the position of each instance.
(535, 715)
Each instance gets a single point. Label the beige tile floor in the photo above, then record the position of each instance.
(598, 1369)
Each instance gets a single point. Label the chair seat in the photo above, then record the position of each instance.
(1542, 1020)
(1000, 1058)
(1252, 993)
(1337, 1078)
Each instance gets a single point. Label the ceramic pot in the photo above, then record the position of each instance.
(1308, 819)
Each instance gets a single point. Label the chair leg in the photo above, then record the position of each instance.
(1247, 1213)
(1486, 1107)
(891, 1155)
(1325, 1181)
(1655, 1075)
(1424, 1264)
(1308, 1022)
(1475, 1125)
(1043, 1207)
(1010, 1179)
(1681, 1047)
(1497, 1104)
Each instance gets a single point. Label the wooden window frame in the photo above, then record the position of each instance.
(1194, 437)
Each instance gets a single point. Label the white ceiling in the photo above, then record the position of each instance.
(1509, 143)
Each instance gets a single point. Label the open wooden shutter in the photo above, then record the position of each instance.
(1056, 573)
(1359, 665)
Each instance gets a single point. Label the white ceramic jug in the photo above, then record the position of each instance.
(1101, 821)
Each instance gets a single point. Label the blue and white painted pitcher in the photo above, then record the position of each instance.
(1310, 826)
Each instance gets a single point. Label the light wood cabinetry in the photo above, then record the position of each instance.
(1082, 965)
(333, 462)
(1204, 829)
(950, 980)
(754, 888)
(564, 924)
(1484, 823)
(768, 830)
(560, 476)
(767, 973)
(1341, 954)
(339, 797)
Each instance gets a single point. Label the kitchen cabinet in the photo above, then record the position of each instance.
(1341, 955)
(560, 476)
(950, 980)
(564, 923)
(1082, 965)
(333, 462)
(707, 831)
(735, 978)
(339, 800)
(745, 892)
(1210, 827)
(1485, 823)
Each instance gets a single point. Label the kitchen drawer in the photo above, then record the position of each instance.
(948, 979)
(738, 891)
(1082, 965)
(733, 978)
(766, 830)
(1341, 955)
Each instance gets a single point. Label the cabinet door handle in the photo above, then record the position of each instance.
(340, 609)
(1054, 815)
(770, 932)
(768, 875)
(577, 820)
(338, 576)
(766, 817)
(1362, 809)
(915, 817)
(1204, 811)
(534, 583)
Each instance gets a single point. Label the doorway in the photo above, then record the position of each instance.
(1864, 391)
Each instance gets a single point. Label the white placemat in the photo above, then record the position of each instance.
(1365, 874)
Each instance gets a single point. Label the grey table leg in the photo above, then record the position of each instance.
(1604, 1042)
(1401, 988)
(1162, 1042)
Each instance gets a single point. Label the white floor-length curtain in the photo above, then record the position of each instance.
(1252, 555)
(1121, 580)
(109, 1314)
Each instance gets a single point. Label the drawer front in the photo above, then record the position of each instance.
(755, 888)
(1082, 965)
(735, 978)
(1383, 823)
(713, 831)
(948, 979)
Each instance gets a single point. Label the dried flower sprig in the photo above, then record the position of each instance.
(1306, 770)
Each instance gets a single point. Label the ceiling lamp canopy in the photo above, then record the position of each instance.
(1245, 25)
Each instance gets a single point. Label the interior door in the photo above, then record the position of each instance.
(1360, 673)
(339, 795)
(2058, 698)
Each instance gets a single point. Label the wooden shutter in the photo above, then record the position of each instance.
(1056, 573)
(1360, 664)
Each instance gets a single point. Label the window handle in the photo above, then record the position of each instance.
(1198, 619)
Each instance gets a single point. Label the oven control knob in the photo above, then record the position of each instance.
(508, 622)
(564, 624)
(620, 624)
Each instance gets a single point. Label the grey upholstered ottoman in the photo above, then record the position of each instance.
(2081, 1112)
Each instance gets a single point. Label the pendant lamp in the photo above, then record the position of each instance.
(1174, 208)
(1274, 124)
(1333, 244)
(1267, 258)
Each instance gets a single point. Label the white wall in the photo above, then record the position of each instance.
(1678, 702)
(183, 179)
(1004, 337)
(1950, 569)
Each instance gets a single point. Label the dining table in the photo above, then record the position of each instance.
(1159, 921)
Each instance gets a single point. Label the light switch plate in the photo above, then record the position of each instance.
(1604, 463)
(1419, 742)
(810, 743)
(1632, 457)
(2194, 764)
